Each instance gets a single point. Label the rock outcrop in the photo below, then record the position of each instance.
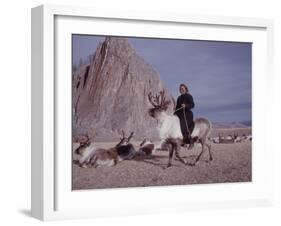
(110, 94)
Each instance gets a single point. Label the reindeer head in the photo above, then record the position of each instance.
(159, 103)
(84, 141)
(146, 147)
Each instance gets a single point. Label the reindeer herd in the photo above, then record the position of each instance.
(169, 133)
(230, 139)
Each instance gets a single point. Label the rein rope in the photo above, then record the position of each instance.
(178, 109)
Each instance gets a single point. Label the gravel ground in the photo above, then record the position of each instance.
(231, 163)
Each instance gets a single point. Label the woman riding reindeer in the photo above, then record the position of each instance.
(170, 129)
(183, 110)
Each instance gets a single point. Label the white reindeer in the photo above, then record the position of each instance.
(237, 139)
(215, 140)
(169, 128)
(249, 137)
(80, 143)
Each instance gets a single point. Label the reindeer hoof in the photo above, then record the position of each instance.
(209, 160)
(83, 166)
(183, 161)
(190, 163)
(166, 167)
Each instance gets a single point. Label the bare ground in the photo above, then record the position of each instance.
(231, 163)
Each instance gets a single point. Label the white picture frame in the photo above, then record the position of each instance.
(52, 197)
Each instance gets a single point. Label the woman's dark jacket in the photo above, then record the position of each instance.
(186, 99)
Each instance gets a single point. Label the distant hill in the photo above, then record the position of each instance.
(221, 125)
(247, 123)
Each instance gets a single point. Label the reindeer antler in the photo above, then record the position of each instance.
(174, 102)
(164, 103)
(154, 100)
(150, 98)
(144, 140)
(159, 100)
(123, 135)
(124, 139)
(162, 95)
(129, 138)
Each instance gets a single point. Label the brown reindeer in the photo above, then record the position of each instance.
(94, 157)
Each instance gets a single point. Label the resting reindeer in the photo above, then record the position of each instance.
(146, 147)
(169, 127)
(93, 157)
(80, 143)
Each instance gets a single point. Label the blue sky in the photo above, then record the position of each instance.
(218, 74)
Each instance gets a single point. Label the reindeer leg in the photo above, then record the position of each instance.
(210, 154)
(198, 157)
(93, 162)
(178, 155)
(171, 152)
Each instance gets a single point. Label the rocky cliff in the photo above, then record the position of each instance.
(110, 94)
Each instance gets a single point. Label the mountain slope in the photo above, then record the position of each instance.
(110, 94)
